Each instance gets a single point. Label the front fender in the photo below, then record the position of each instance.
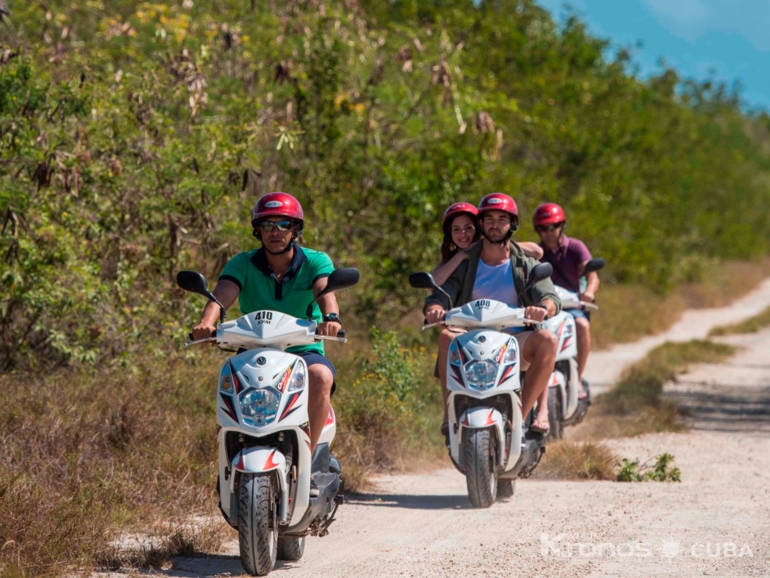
(484, 417)
(480, 417)
(257, 460)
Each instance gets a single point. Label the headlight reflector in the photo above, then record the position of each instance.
(259, 406)
(226, 378)
(481, 374)
(297, 379)
(511, 353)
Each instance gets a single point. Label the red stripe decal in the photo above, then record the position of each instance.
(270, 463)
(292, 400)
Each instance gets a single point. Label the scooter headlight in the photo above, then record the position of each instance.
(481, 374)
(259, 406)
(297, 379)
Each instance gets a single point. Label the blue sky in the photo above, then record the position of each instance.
(730, 37)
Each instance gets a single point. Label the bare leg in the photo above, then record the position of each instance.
(584, 346)
(320, 381)
(541, 420)
(540, 351)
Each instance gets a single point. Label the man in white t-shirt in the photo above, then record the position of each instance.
(497, 269)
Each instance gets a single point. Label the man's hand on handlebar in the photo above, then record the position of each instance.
(330, 328)
(434, 314)
(536, 313)
(203, 330)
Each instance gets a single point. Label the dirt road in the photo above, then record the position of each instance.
(604, 367)
(716, 522)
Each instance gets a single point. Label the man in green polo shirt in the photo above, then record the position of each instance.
(282, 276)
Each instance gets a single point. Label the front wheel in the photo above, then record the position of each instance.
(257, 523)
(554, 414)
(480, 467)
(290, 548)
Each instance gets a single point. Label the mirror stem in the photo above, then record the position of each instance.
(451, 305)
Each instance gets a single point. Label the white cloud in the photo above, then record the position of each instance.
(691, 19)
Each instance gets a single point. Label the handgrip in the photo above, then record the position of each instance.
(341, 333)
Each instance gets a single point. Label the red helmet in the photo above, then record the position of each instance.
(548, 214)
(278, 205)
(455, 210)
(499, 202)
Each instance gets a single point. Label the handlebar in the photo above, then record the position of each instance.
(442, 322)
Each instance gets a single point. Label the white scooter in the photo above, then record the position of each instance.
(264, 437)
(564, 406)
(489, 440)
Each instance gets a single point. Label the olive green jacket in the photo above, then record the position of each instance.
(459, 286)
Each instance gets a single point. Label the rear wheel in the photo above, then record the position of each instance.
(257, 523)
(554, 414)
(290, 548)
(480, 467)
(505, 489)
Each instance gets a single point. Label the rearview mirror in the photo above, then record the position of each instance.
(539, 272)
(343, 278)
(193, 282)
(593, 265)
(422, 280)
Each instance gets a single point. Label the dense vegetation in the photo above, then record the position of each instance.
(135, 136)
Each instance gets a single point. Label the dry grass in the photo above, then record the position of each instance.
(87, 453)
(630, 312)
(635, 405)
(751, 325)
(567, 460)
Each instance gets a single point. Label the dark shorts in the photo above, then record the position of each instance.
(312, 358)
(579, 313)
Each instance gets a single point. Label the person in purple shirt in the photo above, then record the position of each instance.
(568, 258)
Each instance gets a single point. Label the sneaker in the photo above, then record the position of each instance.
(313, 488)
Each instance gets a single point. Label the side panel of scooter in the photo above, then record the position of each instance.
(514, 452)
(559, 381)
(330, 428)
(572, 388)
(563, 325)
(224, 484)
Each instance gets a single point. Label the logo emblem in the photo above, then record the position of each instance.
(482, 339)
(494, 201)
(273, 204)
(261, 361)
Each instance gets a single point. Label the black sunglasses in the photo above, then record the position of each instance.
(283, 226)
(545, 228)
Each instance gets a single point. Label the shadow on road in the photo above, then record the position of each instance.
(726, 407)
(209, 566)
(412, 502)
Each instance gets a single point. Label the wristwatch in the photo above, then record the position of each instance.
(334, 317)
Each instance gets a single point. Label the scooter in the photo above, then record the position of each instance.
(489, 440)
(265, 463)
(564, 406)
